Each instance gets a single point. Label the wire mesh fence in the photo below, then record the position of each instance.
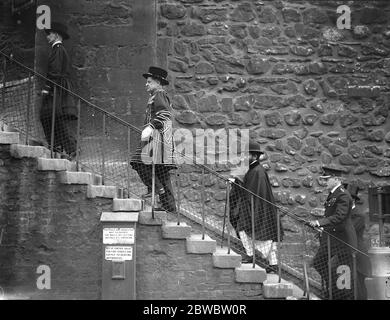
(237, 212)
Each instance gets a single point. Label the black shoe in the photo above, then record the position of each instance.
(247, 259)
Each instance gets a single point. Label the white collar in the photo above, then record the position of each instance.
(334, 189)
(56, 42)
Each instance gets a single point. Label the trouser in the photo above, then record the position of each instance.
(163, 185)
(63, 140)
(267, 248)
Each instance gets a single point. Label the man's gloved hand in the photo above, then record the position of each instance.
(146, 133)
(313, 223)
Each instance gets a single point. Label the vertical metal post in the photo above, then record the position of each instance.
(53, 120)
(4, 83)
(278, 245)
(178, 185)
(203, 200)
(153, 185)
(380, 216)
(78, 135)
(306, 283)
(28, 107)
(253, 229)
(228, 216)
(103, 151)
(329, 268)
(128, 160)
(355, 297)
(224, 215)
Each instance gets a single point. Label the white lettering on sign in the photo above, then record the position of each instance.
(119, 253)
(118, 235)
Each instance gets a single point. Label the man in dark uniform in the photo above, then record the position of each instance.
(156, 145)
(257, 181)
(337, 225)
(65, 109)
(363, 264)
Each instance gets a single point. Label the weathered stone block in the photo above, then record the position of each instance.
(22, 151)
(247, 274)
(277, 290)
(9, 137)
(102, 191)
(195, 244)
(171, 230)
(54, 164)
(225, 260)
(146, 217)
(363, 91)
(68, 177)
(127, 205)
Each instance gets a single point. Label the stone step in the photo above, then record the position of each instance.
(146, 218)
(272, 289)
(22, 151)
(127, 205)
(69, 177)
(54, 164)
(119, 216)
(246, 273)
(195, 244)
(225, 260)
(9, 137)
(172, 230)
(102, 192)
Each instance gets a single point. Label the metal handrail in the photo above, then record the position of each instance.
(204, 168)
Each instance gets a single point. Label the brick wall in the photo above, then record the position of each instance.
(283, 70)
(47, 223)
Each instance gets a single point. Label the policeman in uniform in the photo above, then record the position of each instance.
(336, 224)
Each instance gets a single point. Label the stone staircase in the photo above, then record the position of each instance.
(195, 244)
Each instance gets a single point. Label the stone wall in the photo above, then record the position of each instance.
(44, 222)
(310, 93)
(111, 45)
(17, 34)
(166, 271)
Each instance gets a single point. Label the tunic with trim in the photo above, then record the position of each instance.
(160, 147)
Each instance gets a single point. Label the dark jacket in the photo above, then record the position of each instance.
(58, 71)
(265, 212)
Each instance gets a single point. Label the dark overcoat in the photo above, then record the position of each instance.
(265, 212)
(59, 72)
(160, 146)
(337, 223)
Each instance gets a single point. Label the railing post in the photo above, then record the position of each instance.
(78, 135)
(103, 145)
(128, 161)
(330, 289)
(28, 107)
(178, 185)
(228, 215)
(306, 282)
(203, 200)
(224, 214)
(253, 230)
(4, 82)
(153, 185)
(53, 120)
(355, 297)
(380, 217)
(278, 245)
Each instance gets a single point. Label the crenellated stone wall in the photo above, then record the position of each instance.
(310, 93)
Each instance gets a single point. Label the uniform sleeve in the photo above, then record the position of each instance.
(341, 212)
(160, 111)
